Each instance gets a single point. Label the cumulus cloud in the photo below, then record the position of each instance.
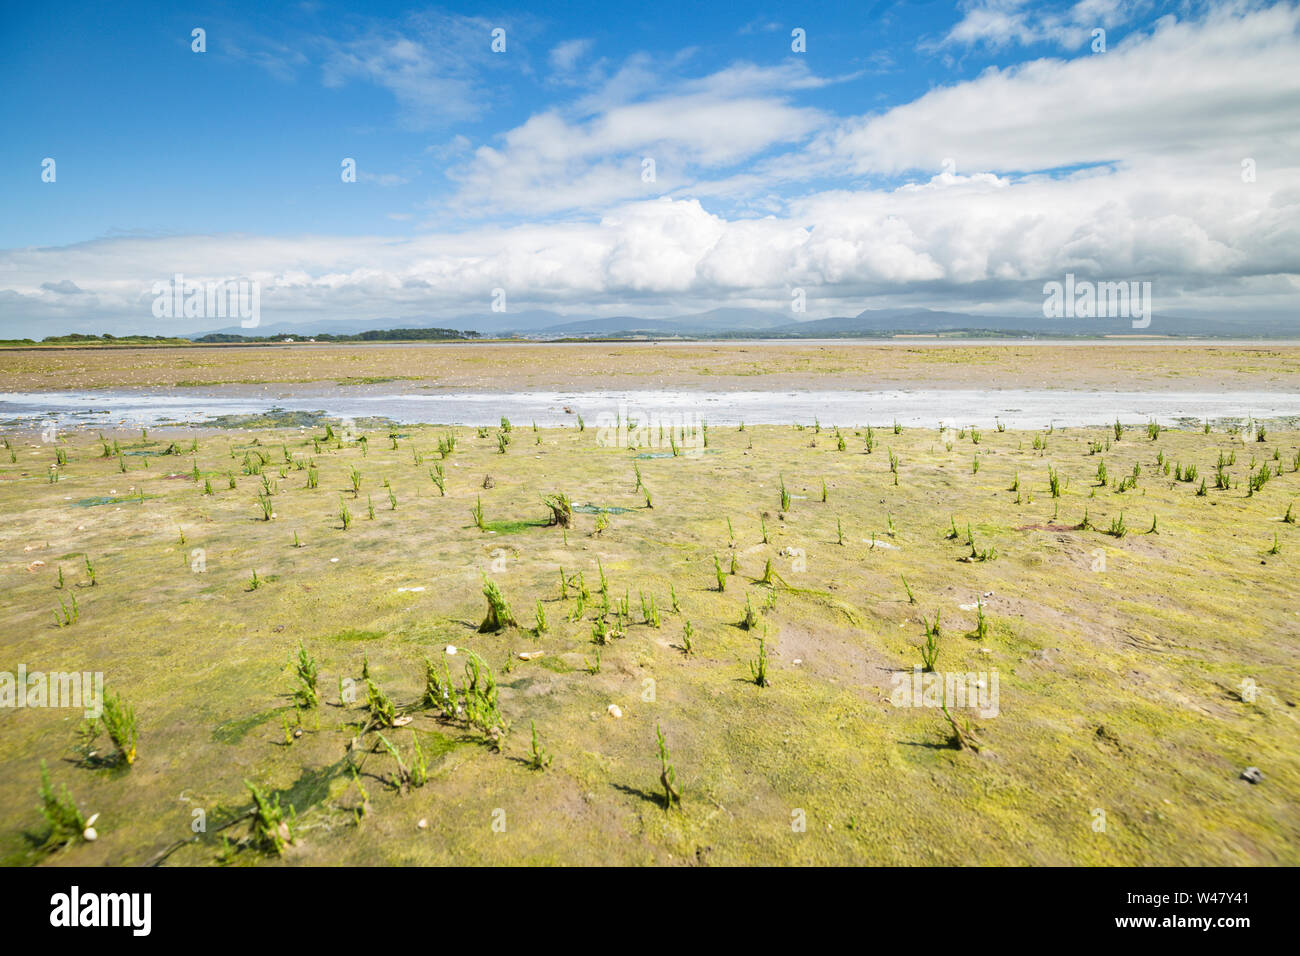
(997, 24)
(1183, 94)
(564, 160)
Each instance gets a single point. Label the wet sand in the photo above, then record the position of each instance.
(733, 366)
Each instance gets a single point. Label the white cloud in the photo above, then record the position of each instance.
(997, 24)
(383, 179)
(433, 66)
(1200, 94)
(563, 160)
(565, 56)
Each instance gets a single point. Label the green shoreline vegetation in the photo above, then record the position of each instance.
(227, 338)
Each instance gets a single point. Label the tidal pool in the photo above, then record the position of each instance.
(1015, 408)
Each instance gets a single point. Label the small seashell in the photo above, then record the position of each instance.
(615, 711)
(90, 834)
(423, 824)
(451, 650)
(530, 655)
(402, 721)
(35, 564)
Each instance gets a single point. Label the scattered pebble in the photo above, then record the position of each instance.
(615, 711)
(423, 824)
(35, 564)
(451, 650)
(1252, 775)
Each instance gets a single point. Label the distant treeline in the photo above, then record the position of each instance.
(77, 338)
(374, 335)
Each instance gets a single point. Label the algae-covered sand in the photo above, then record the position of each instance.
(1137, 674)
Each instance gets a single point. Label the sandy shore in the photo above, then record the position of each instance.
(720, 366)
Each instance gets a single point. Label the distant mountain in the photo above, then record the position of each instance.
(689, 326)
(535, 323)
(615, 325)
(757, 323)
(721, 319)
(884, 322)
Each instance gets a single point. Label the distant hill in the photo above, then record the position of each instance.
(756, 323)
(878, 322)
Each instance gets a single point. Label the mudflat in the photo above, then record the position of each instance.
(1121, 366)
(427, 645)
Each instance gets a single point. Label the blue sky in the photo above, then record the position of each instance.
(889, 163)
(152, 137)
